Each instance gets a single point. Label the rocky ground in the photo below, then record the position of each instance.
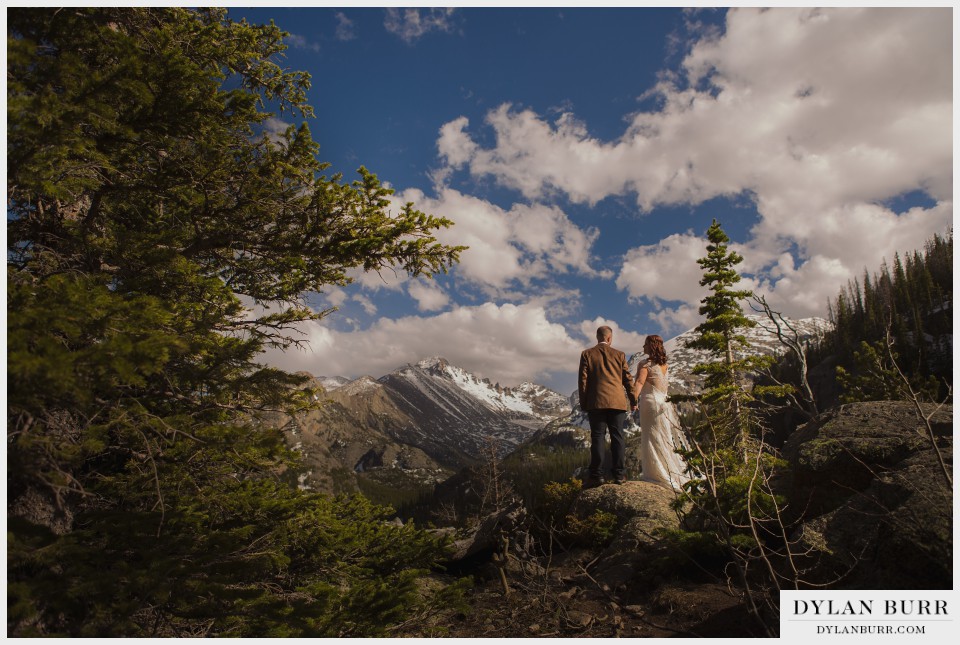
(576, 605)
(622, 589)
(572, 603)
(875, 460)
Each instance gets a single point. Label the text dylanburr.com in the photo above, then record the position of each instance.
(872, 613)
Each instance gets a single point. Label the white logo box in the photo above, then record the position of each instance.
(884, 616)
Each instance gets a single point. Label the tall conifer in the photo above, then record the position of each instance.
(729, 499)
(721, 333)
(159, 238)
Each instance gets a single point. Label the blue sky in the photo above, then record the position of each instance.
(583, 152)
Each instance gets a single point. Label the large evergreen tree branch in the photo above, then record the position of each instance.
(145, 198)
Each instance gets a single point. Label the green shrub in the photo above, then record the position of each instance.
(598, 529)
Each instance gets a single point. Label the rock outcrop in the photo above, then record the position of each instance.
(642, 510)
(875, 505)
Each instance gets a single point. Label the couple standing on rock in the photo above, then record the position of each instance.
(607, 392)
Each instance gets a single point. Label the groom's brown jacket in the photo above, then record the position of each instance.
(605, 382)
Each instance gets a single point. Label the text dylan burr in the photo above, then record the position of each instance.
(867, 608)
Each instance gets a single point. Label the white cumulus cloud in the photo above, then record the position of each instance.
(510, 343)
(336, 296)
(626, 341)
(820, 116)
(365, 302)
(667, 270)
(411, 24)
(429, 296)
(507, 247)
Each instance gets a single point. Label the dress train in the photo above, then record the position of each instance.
(660, 436)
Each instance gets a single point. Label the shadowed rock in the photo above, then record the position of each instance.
(876, 505)
(486, 535)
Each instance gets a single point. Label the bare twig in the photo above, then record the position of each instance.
(915, 399)
(789, 337)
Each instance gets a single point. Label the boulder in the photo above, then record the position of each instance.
(644, 506)
(643, 510)
(871, 499)
(486, 535)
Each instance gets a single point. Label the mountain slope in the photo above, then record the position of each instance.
(338, 442)
(414, 427)
(460, 417)
(762, 339)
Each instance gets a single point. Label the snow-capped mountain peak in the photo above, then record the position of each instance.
(434, 362)
(331, 383)
(451, 413)
(526, 399)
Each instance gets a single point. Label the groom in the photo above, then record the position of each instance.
(604, 385)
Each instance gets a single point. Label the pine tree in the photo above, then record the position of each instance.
(158, 241)
(721, 333)
(729, 502)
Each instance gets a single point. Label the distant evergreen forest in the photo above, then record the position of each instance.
(913, 299)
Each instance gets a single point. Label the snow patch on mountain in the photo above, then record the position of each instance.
(487, 394)
(331, 383)
(437, 362)
(360, 385)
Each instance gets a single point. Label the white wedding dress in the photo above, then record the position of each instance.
(660, 433)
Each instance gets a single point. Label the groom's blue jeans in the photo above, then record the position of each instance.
(602, 421)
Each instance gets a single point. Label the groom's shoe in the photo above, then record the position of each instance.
(619, 482)
(593, 482)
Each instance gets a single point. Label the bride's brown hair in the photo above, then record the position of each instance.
(655, 351)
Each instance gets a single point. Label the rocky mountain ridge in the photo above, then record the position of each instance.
(525, 399)
(415, 426)
(762, 339)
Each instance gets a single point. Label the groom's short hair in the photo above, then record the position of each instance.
(604, 333)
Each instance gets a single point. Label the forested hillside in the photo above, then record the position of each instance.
(912, 302)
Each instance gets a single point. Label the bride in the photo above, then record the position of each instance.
(659, 424)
